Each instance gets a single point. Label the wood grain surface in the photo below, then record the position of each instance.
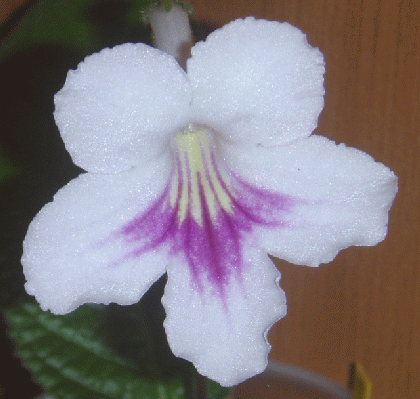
(364, 305)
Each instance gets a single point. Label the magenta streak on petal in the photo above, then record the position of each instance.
(212, 248)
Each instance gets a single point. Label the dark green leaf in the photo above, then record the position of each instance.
(60, 22)
(74, 24)
(70, 360)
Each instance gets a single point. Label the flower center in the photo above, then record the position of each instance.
(197, 181)
(204, 215)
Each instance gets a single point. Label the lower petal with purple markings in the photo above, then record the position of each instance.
(205, 216)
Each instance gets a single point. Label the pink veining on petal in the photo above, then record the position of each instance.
(211, 245)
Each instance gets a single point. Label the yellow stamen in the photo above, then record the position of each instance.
(196, 168)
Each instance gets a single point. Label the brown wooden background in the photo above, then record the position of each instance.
(364, 305)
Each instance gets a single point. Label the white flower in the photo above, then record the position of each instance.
(200, 174)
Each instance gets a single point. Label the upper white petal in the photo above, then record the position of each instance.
(341, 196)
(120, 106)
(71, 253)
(257, 81)
(227, 344)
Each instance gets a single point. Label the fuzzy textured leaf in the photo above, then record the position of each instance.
(68, 356)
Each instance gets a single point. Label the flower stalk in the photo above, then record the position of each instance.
(172, 32)
(196, 386)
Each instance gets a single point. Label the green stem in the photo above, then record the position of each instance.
(195, 385)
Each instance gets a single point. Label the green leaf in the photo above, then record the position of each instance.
(70, 360)
(61, 22)
(68, 23)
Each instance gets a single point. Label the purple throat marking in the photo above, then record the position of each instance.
(211, 245)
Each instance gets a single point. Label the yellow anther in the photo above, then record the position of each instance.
(197, 178)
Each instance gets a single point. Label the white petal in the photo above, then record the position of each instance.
(226, 341)
(120, 106)
(257, 81)
(73, 253)
(340, 196)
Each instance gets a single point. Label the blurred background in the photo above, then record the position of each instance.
(364, 306)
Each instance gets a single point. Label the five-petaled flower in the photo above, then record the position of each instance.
(201, 174)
